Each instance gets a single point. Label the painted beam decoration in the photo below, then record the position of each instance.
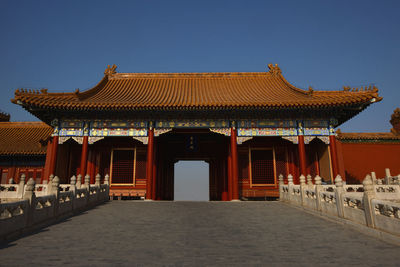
(316, 131)
(267, 131)
(192, 124)
(267, 124)
(246, 128)
(103, 128)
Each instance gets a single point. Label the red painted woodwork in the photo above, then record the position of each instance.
(140, 172)
(154, 171)
(292, 165)
(84, 156)
(122, 166)
(302, 155)
(280, 161)
(149, 164)
(90, 166)
(334, 157)
(46, 171)
(230, 185)
(225, 180)
(53, 161)
(262, 167)
(235, 168)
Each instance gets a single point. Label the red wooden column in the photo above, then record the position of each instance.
(235, 167)
(229, 174)
(302, 151)
(154, 173)
(333, 150)
(46, 171)
(53, 159)
(84, 155)
(91, 165)
(149, 163)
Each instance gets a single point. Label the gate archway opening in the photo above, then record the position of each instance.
(191, 181)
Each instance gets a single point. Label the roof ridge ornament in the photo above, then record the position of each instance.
(310, 90)
(370, 88)
(274, 69)
(110, 70)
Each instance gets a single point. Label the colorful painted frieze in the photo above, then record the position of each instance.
(267, 131)
(118, 124)
(192, 124)
(267, 123)
(118, 132)
(71, 132)
(316, 131)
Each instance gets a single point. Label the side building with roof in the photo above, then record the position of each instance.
(23, 148)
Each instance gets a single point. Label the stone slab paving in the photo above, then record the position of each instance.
(132, 233)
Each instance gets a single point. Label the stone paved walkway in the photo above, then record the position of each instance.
(129, 233)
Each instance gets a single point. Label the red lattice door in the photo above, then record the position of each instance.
(123, 167)
(262, 167)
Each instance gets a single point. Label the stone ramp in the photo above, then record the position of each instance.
(131, 233)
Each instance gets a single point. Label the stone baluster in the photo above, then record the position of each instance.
(21, 185)
(318, 189)
(379, 181)
(281, 183)
(387, 176)
(48, 191)
(290, 187)
(51, 177)
(11, 181)
(73, 184)
(30, 190)
(369, 194)
(339, 191)
(106, 182)
(302, 189)
(55, 186)
(29, 195)
(373, 176)
(87, 181)
(55, 190)
(98, 178)
(79, 181)
(309, 181)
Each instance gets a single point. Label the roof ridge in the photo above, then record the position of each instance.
(189, 74)
(23, 123)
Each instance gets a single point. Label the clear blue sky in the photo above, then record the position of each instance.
(64, 45)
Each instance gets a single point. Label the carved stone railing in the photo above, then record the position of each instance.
(373, 203)
(39, 205)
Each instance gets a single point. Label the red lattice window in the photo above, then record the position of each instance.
(243, 167)
(280, 161)
(312, 161)
(122, 166)
(141, 166)
(262, 167)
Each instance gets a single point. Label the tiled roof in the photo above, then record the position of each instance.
(131, 91)
(23, 138)
(368, 136)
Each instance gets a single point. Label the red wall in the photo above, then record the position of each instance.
(359, 159)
